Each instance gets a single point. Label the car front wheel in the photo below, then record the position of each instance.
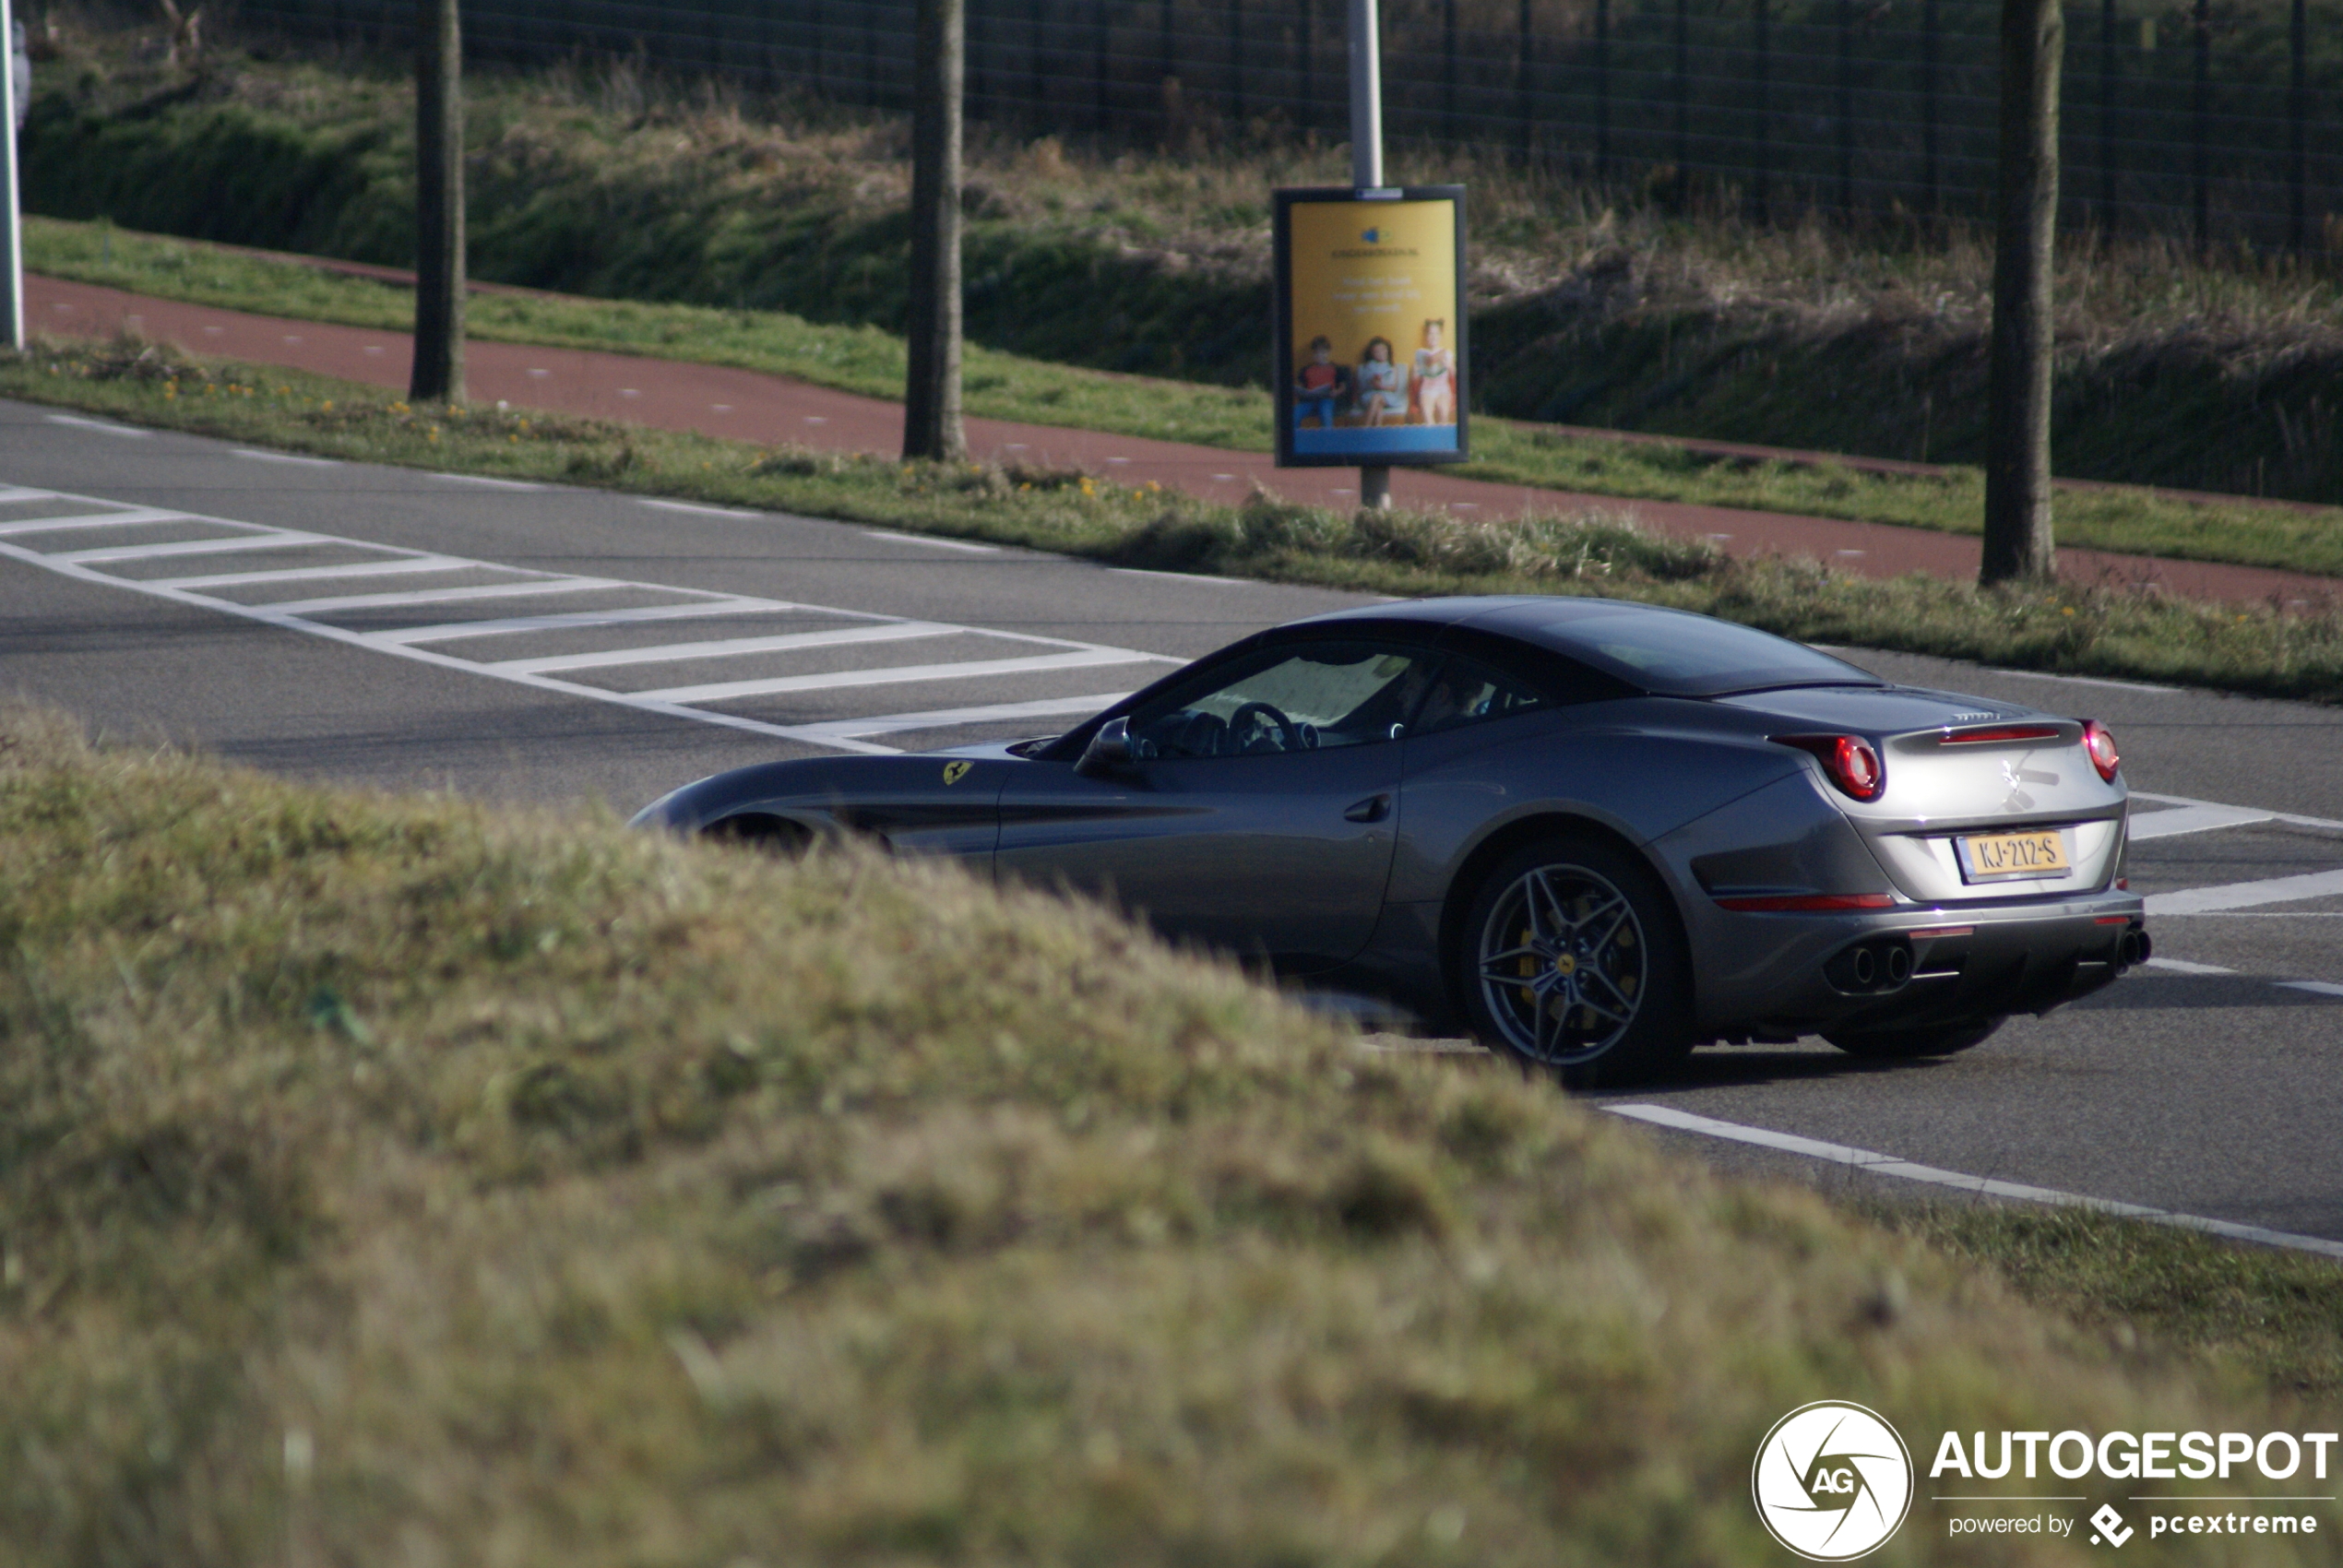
(1575, 963)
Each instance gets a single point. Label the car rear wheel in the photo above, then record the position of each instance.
(1574, 962)
(1904, 1045)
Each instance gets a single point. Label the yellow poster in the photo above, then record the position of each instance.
(1372, 357)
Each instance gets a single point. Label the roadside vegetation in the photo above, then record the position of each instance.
(1004, 385)
(2117, 629)
(399, 1175)
(1601, 308)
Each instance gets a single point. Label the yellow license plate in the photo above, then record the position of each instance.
(1989, 857)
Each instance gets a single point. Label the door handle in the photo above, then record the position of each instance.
(1375, 808)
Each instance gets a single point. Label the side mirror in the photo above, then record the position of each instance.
(1110, 748)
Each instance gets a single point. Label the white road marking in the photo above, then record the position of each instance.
(292, 614)
(260, 456)
(483, 479)
(937, 543)
(576, 620)
(273, 539)
(2317, 988)
(446, 595)
(695, 508)
(2183, 966)
(1888, 1165)
(2246, 895)
(134, 517)
(307, 574)
(2191, 819)
(947, 718)
(1175, 577)
(899, 674)
(109, 428)
(2291, 819)
(729, 648)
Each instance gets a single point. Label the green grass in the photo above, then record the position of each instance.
(2271, 1317)
(2106, 631)
(397, 1179)
(1003, 386)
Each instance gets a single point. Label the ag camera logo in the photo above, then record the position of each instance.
(1832, 1481)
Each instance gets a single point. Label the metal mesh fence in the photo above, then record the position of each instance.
(2219, 119)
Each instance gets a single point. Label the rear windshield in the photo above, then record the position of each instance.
(1692, 656)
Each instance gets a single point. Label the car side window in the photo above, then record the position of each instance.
(1466, 692)
(1287, 697)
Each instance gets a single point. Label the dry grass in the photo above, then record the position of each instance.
(394, 1179)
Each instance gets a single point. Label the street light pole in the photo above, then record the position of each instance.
(11, 228)
(1366, 166)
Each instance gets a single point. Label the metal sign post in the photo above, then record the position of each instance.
(11, 238)
(1366, 164)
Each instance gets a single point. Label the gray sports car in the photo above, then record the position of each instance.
(1596, 833)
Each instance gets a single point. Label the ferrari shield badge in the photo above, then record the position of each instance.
(956, 771)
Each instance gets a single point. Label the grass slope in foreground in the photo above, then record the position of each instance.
(1003, 386)
(403, 1173)
(2116, 631)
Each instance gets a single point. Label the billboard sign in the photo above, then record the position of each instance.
(1369, 326)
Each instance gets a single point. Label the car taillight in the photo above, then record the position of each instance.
(2102, 745)
(1851, 761)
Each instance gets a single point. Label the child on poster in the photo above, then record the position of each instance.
(1383, 386)
(1435, 377)
(1321, 387)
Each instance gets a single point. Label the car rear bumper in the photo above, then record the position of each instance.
(1909, 967)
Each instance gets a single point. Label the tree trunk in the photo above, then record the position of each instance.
(2017, 476)
(931, 393)
(438, 375)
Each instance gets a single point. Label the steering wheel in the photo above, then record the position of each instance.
(1240, 726)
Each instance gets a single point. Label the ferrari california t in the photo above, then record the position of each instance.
(1595, 833)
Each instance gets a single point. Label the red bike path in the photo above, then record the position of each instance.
(744, 405)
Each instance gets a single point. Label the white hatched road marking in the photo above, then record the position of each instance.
(2246, 895)
(2191, 819)
(730, 647)
(1888, 1165)
(82, 511)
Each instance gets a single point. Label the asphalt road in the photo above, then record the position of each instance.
(446, 634)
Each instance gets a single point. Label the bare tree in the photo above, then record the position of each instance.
(438, 375)
(2017, 414)
(932, 388)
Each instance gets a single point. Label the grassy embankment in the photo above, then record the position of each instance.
(398, 1176)
(2106, 631)
(788, 234)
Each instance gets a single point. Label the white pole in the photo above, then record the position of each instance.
(1366, 96)
(1366, 164)
(11, 237)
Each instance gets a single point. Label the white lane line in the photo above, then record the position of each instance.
(2191, 819)
(1175, 577)
(579, 620)
(936, 543)
(728, 648)
(1888, 1165)
(260, 456)
(947, 717)
(899, 674)
(2317, 988)
(485, 479)
(134, 517)
(697, 509)
(2290, 818)
(307, 574)
(2183, 966)
(2246, 895)
(273, 539)
(14, 495)
(108, 428)
(446, 595)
